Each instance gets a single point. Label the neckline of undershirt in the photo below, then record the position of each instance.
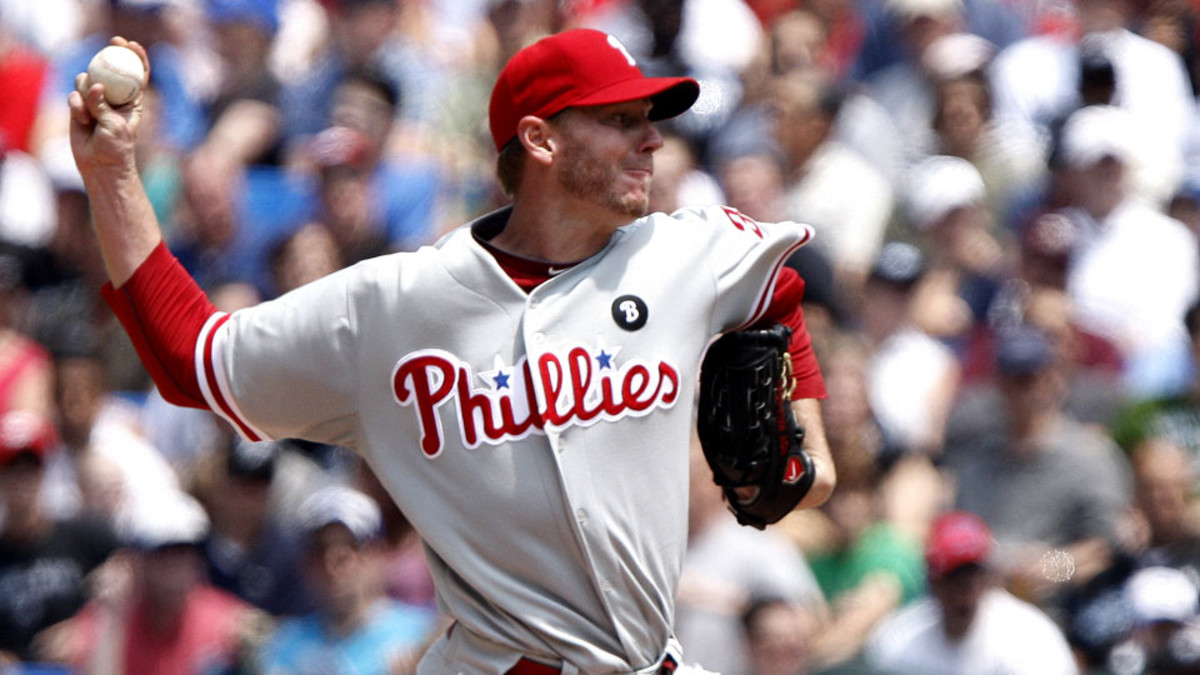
(526, 273)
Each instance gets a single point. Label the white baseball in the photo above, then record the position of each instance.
(121, 72)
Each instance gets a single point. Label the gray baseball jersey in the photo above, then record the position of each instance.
(537, 441)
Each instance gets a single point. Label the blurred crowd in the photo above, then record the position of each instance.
(1002, 293)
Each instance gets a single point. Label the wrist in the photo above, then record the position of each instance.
(114, 190)
(110, 175)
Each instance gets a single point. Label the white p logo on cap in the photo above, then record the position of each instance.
(616, 44)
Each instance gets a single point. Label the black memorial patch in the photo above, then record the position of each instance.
(630, 312)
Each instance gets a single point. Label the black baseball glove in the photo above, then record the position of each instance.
(749, 435)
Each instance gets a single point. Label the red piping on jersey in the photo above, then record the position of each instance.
(763, 300)
(210, 375)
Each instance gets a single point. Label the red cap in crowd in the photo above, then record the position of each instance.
(956, 539)
(340, 146)
(578, 67)
(24, 432)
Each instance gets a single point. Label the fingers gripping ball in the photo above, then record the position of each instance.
(121, 72)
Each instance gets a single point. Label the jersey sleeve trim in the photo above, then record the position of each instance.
(173, 325)
(214, 382)
(768, 289)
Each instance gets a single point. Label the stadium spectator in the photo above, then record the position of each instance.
(1173, 418)
(243, 122)
(45, 562)
(1035, 293)
(406, 572)
(1008, 155)
(1164, 480)
(159, 615)
(967, 624)
(347, 202)
(912, 377)
(1136, 271)
(945, 202)
(91, 418)
(355, 628)
(308, 254)
(777, 635)
(1050, 489)
(243, 117)
(864, 545)
(905, 86)
(1163, 608)
(249, 551)
(23, 73)
(405, 187)
(727, 568)
(829, 185)
(361, 35)
(26, 377)
(883, 42)
(1038, 81)
(678, 178)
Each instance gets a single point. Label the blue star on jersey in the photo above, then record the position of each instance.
(604, 359)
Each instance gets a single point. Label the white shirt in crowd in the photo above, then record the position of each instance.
(1036, 81)
(847, 201)
(905, 376)
(1007, 637)
(1133, 279)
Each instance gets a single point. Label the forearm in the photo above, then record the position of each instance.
(807, 412)
(855, 615)
(123, 218)
(245, 131)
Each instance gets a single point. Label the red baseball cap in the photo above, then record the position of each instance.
(24, 432)
(956, 539)
(578, 67)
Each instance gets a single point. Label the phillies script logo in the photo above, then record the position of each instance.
(577, 388)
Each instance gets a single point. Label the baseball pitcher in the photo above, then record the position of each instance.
(525, 389)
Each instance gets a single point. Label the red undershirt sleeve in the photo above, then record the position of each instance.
(164, 311)
(785, 308)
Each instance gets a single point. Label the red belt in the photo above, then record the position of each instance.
(528, 667)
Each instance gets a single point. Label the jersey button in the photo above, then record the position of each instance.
(581, 515)
(606, 586)
(539, 338)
